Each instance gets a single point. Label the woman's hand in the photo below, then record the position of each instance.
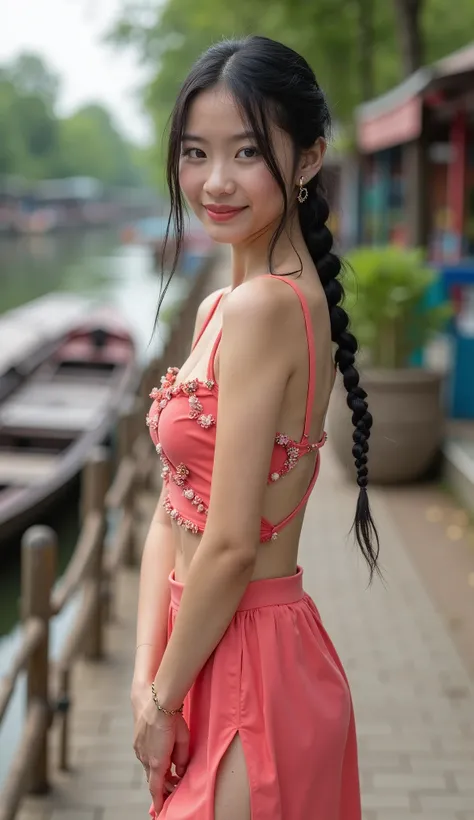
(159, 741)
(139, 697)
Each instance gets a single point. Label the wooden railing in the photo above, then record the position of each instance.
(101, 551)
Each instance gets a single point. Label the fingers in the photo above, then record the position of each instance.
(156, 785)
(180, 754)
(144, 761)
(170, 783)
(180, 758)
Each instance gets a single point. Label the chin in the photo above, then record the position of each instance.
(225, 235)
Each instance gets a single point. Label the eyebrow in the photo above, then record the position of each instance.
(196, 138)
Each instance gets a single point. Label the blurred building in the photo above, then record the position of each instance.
(412, 183)
(416, 146)
(74, 202)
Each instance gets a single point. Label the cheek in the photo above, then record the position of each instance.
(265, 194)
(190, 183)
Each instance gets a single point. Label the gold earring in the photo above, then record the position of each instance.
(303, 193)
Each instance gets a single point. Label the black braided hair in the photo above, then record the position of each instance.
(313, 215)
(272, 84)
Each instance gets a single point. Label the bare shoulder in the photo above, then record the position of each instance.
(258, 299)
(208, 302)
(270, 306)
(204, 309)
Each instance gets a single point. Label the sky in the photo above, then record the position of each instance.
(67, 34)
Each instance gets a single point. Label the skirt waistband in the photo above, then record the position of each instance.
(267, 592)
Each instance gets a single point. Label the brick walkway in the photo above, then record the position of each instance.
(414, 701)
(413, 698)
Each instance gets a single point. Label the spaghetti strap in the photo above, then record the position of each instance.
(311, 354)
(211, 375)
(309, 339)
(208, 318)
(271, 530)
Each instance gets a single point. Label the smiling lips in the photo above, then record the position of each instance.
(222, 213)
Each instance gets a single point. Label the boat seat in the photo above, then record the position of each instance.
(23, 469)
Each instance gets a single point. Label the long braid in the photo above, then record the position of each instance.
(314, 213)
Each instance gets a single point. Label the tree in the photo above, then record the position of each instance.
(40, 132)
(31, 77)
(91, 146)
(408, 17)
(36, 144)
(28, 132)
(352, 44)
(365, 15)
(10, 135)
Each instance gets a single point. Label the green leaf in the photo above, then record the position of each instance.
(388, 305)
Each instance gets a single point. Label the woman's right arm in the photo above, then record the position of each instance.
(153, 598)
(157, 563)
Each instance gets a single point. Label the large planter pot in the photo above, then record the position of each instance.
(408, 424)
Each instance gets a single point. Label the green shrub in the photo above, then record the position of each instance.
(391, 316)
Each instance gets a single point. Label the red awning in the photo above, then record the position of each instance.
(395, 127)
(396, 117)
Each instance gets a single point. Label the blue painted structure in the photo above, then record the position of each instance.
(460, 278)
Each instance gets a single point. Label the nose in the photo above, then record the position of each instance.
(218, 183)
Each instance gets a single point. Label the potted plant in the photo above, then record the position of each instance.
(387, 292)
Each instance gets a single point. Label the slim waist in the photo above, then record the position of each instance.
(267, 592)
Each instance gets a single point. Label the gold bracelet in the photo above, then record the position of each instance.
(160, 708)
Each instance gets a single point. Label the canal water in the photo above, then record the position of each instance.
(96, 265)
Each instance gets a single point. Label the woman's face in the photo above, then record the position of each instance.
(223, 176)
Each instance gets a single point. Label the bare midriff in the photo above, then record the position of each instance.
(272, 560)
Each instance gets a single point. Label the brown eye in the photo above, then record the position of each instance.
(249, 153)
(193, 153)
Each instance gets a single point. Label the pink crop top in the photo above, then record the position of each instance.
(182, 422)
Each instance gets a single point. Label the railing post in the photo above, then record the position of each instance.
(38, 571)
(146, 385)
(95, 482)
(126, 429)
(151, 377)
(127, 435)
(63, 704)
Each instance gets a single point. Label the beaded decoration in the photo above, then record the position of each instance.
(176, 516)
(180, 479)
(162, 395)
(294, 451)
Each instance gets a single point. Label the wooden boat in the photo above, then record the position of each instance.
(30, 333)
(68, 404)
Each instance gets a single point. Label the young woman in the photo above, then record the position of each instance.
(224, 625)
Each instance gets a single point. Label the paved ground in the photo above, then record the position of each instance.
(413, 698)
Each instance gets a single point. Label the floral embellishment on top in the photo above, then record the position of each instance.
(180, 475)
(179, 519)
(294, 451)
(206, 421)
(162, 395)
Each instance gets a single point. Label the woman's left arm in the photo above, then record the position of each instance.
(255, 365)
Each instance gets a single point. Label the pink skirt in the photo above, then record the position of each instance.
(276, 680)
